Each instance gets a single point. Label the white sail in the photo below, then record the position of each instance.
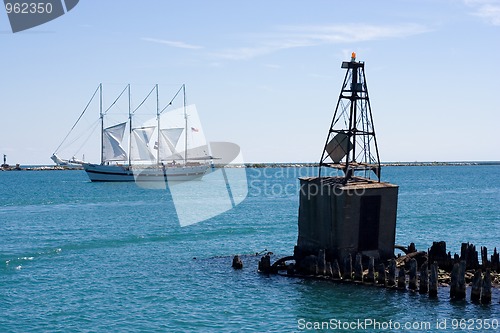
(112, 137)
(139, 149)
(169, 137)
(173, 134)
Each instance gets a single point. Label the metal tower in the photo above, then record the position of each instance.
(351, 145)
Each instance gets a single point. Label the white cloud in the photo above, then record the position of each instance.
(355, 32)
(171, 43)
(273, 66)
(243, 52)
(488, 10)
(305, 36)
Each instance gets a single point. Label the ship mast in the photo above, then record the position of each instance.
(158, 114)
(102, 123)
(351, 143)
(185, 126)
(130, 128)
(158, 120)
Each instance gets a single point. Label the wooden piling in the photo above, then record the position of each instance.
(433, 280)
(495, 261)
(358, 268)
(412, 248)
(412, 284)
(469, 254)
(457, 287)
(321, 262)
(484, 257)
(328, 269)
(347, 268)
(336, 270)
(454, 280)
(265, 264)
(424, 279)
(477, 281)
(402, 279)
(237, 263)
(438, 253)
(486, 288)
(370, 277)
(381, 275)
(460, 292)
(392, 273)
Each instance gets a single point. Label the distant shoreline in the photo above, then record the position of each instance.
(260, 165)
(385, 164)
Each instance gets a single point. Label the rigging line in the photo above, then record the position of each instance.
(87, 139)
(91, 127)
(144, 100)
(95, 92)
(116, 100)
(177, 93)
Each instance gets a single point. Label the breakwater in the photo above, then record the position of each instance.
(415, 271)
(18, 167)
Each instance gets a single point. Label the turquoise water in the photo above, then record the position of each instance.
(77, 256)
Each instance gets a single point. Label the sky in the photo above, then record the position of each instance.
(264, 74)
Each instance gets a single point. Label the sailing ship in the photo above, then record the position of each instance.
(168, 159)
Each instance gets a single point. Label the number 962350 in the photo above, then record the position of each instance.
(28, 8)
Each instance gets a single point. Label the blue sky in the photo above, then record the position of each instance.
(265, 74)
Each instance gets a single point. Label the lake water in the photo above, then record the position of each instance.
(77, 256)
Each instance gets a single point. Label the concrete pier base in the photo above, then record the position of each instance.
(346, 218)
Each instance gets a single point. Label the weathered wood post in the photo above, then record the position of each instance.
(336, 270)
(433, 280)
(321, 262)
(381, 275)
(412, 248)
(370, 277)
(469, 254)
(358, 268)
(392, 273)
(460, 292)
(412, 285)
(402, 279)
(424, 279)
(495, 261)
(486, 288)
(437, 253)
(265, 264)
(347, 268)
(477, 281)
(328, 270)
(237, 263)
(484, 257)
(454, 280)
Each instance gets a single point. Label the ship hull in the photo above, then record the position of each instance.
(117, 173)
